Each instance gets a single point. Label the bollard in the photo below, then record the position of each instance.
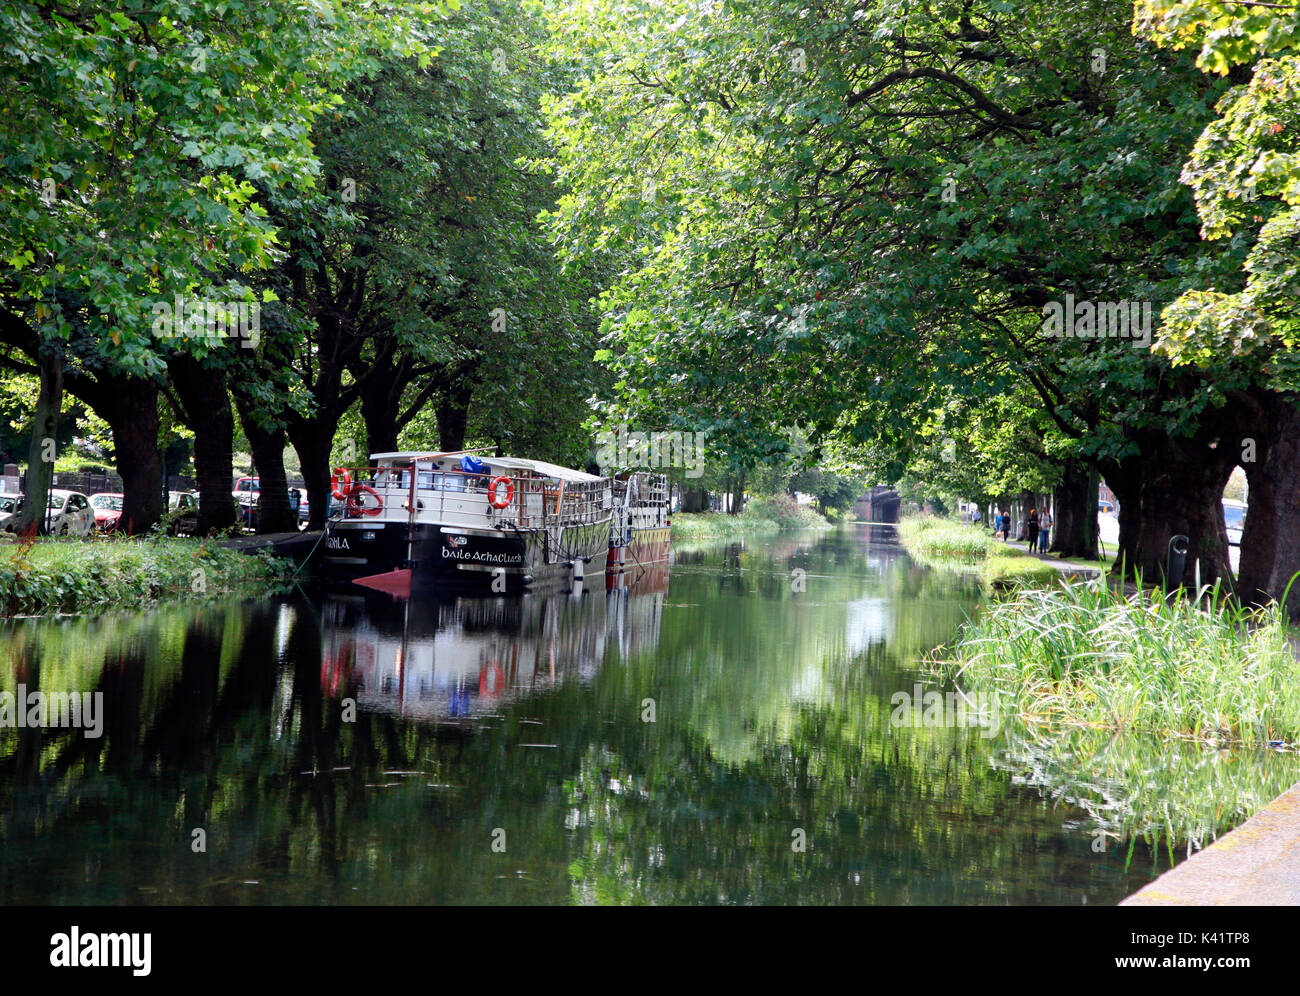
(1178, 547)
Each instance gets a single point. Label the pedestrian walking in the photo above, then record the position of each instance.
(1044, 531)
(1032, 529)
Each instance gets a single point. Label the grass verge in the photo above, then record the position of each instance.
(62, 576)
(1087, 655)
(948, 544)
(760, 516)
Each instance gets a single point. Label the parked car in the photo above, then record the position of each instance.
(10, 503)
(182, 513)
(107, 507)
(69, 514)
(1105, 507)
(1234, 518)
(246, 493)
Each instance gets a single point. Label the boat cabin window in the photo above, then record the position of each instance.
(432, 481)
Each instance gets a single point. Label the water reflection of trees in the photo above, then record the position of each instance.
(772, 711)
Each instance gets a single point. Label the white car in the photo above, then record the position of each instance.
(183, 511)
(69, 514)
(10, 503)
(1234, 518)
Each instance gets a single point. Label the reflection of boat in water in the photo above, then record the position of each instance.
(639, 531)
(449, 660)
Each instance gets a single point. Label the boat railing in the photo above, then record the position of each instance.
(412, 494)
(646, 498)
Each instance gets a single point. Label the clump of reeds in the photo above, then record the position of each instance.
(930, 537)
(1204, 668)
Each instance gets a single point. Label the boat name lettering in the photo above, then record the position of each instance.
(482, 556)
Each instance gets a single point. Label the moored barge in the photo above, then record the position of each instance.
(453, 521)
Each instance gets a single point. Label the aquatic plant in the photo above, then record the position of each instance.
(1203, 668)
(1174, 795)
(760, 516)
(931, 538)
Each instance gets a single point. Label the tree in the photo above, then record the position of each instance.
(129, 150)
(417, 279)
(1245, 176)
(848, 213)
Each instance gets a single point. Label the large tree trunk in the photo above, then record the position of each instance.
(1270, 542)
(130, 407)
(738, 494)
(1125, 481)
(206, 407)
(381, 403)
(1178, 491)
(694, 499)
(1026, 501)
(133, 417)
(275, 514)
(45, 426)
(381, 424)
(313, 441)
(453, 413)
(1074, 502)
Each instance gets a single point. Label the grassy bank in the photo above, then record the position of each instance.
(949, 544)
(1087, 655)
(760, 516)
(62, 576)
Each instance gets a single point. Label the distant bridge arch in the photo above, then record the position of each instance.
(880, 504)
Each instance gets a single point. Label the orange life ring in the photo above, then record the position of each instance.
(498, 683)
(492, 492)
(339, 488)
(354, 506)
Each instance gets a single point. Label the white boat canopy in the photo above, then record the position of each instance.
(553, 470)
(542, 467)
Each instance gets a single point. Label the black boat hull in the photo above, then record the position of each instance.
(487, 561)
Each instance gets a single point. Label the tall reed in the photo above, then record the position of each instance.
(1086, 654)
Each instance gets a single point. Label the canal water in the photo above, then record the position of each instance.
(723, 731)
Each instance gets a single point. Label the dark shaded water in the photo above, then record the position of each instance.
(345, 750)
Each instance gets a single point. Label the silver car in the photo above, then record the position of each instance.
(182, 512)
(10, 503)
